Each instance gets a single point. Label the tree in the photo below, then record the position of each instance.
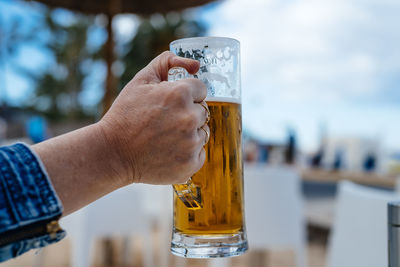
(13, 35)
(153, 37)
(58, 89)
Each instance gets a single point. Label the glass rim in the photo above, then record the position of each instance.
(206, 39)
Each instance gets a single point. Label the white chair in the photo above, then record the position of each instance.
(158, 208)
(129, 211)
(359, 234)
(274, 210)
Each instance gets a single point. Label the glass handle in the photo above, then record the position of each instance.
(178, 73)
(188, 193)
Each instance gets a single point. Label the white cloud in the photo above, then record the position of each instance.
(301, 54)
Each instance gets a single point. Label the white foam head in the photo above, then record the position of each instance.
(219, 59)
(224, 99)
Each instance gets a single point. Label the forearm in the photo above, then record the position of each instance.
(82, 166)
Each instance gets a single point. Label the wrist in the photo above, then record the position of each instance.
(117, 149)
(82, 166)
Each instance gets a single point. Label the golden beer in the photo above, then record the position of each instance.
(220, 178)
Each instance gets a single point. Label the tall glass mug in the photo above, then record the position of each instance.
(209, 208)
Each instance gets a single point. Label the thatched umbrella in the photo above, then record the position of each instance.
(113, 7)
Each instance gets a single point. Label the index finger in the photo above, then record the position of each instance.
(157, 70)
(197, 87)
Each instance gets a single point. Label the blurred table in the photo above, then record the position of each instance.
(319, 206)
(370, 179)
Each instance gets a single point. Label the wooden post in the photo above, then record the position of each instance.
(111, 83)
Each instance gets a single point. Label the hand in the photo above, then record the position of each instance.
(154, 125)
(151, 134)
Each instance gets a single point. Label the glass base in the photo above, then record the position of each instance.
(208, 246)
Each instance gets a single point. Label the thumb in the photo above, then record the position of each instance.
(157, 70)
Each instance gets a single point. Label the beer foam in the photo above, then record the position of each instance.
(223, 99)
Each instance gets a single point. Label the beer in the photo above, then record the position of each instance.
(208, 209)
(220, 178)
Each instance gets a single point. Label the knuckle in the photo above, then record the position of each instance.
(188, 122)
(195, 83)
(184, 88)
(189, 147)
(199, 85)
(181, 92)
(194, 146)
(176, 95)
(184, 158)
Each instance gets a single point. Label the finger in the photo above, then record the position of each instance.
(157, 70)
(204, 105)
(204, 134)
(200, 161)
(201, 114)
(197, 87)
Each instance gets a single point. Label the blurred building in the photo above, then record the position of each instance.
(393, 163)
(271, 152)
(352, 154)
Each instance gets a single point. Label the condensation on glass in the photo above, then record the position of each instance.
(209, 208)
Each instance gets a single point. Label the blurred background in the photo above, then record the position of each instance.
(320, 94)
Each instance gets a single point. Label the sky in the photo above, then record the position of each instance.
(305, 64)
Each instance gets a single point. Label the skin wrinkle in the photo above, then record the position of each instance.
(130, 163)
(149, 135)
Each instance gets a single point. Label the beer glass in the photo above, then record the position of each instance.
(209, 208)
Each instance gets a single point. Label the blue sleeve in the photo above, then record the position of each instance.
(29, 206)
